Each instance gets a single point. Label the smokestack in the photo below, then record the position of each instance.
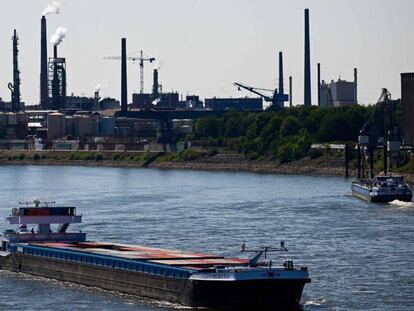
(319, 84)
(356, 85)
(55, 55)
(16, 74)
(281, 90)
(308, 97)
(124, 89)
(290, 92)
(155, 86)
(43, 63)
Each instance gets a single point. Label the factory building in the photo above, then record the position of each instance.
(81, 102)
(108, 104)
(168, 100)
(407, 98)
(238, 104)
(13, 125)
(337, 94)
(194, 102)
(141, 101)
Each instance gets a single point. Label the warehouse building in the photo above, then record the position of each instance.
(238, 104)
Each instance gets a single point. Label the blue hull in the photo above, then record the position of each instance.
(363, 193)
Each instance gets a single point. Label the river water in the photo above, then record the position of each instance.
(360, 256)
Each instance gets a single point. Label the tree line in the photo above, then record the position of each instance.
(287, 134)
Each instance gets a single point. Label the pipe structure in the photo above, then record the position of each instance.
(290, 92)
(43, 64)
(308, 95)
(124, 86)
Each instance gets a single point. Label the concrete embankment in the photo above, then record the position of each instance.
(238, 162)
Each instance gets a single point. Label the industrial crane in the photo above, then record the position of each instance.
(276, 100)
(380, 126)
(141, 60)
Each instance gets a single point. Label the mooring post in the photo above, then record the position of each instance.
(371, 161)
(346, 161)
(359, 160)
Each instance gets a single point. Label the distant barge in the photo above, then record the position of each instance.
(190, 279)
(382, 188)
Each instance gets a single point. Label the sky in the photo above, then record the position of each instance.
(207, 45)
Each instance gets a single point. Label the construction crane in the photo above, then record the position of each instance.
(141, 60)
(276, 101)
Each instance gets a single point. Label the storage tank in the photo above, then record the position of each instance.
(107, 126)
(84, 126)
(22, 118)
(69, 126)
(11, 118)
(55, 125)
(2, 119)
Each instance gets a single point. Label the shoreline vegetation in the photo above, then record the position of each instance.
(323, 164)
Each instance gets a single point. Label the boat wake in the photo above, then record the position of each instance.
(317, 302)
(402, 204)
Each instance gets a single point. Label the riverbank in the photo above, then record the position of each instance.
(325, 165)
(217, 162)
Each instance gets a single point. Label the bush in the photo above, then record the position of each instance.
(147, 156)
(287, 152)
(115, 157)
(98, 157)
(190, 155)
(36, 157)
(22, 156)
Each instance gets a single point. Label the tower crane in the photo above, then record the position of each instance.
(141, 60)
(275, 100)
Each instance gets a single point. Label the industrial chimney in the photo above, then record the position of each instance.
(281, 90)
(43, 64)
(319, 84)
(308, 97)
(15, 87)
(155, 86)
(124, 87)
(356, 85)
(290, 92)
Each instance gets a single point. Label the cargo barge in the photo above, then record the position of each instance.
(382, 188)
(185, 278)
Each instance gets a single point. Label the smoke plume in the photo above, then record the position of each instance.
(58, 36)
(99, 87)
(159, 64)
(52, 8)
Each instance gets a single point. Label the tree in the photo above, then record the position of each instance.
(208, 127)
(290, 126)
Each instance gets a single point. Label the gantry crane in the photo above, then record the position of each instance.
(141, 60)
(276, 101)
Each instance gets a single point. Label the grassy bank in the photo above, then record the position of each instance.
(326, 163)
